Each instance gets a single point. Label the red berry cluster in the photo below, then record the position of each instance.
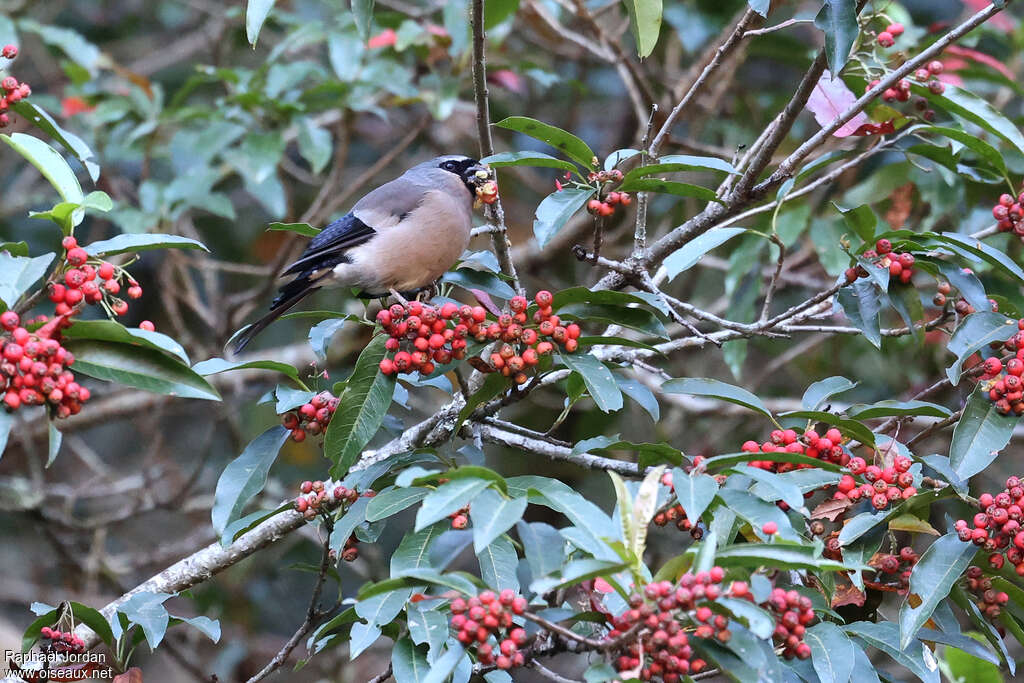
(13, 90)
(96, 282)
(34, 368)
(460, 518)
(662, 616)
(524, 345)
(422, 335)
(598, 207)
(488, 620)
(887, 38)
(881, 485)
(900, 265)
(793, 612)
(675, 513)
(487, 192)
(997, 527)
(892, 570)
(1005, 383)
(613, 176)
(989, 601)
(311, 418)
(828, 447)
(1009, 214)
(60, 641)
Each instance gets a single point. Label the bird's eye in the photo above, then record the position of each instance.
(448, 165)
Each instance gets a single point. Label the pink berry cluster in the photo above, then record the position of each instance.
(880, 485)
(887, 38)
(1005, 382)
(900, 265)
(488, 621)
(1009, 214)
(606, 207)
(311, 418)
(828, 447)
(60, 641)
(793, 613)
(92, 281)
(313, 495)
(13, 91)
(990, 602)
(997, 528)
(34, 368)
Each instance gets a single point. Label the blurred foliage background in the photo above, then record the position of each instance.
(200, 135)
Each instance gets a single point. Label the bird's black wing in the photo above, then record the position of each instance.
(328, 248)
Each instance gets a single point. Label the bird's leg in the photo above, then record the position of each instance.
(398, 297)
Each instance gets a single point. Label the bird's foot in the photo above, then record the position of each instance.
(398, 297)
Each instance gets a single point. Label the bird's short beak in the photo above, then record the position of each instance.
(481, 173)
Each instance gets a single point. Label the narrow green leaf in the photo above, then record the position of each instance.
(897, 408)
(985, 151)
(54, 441)
(645, 22)
(555, 210)
(690, 253)
(139, 367)
(18, 274)
(538, 159)
(245, 476)
(979, 435)
(967, 105)
(572, 146)
(256, 12)
(362, 12)
(446, 499)
(821, 391)
(861, 303)
(49, 162)
(885, 636)
(304, 229)
(141, 242)
(599, 380)
(838, 21)
(214, 366)
(694, 492)
(714, 388)
(364, 404)
(71, 142)
(669, 187)
(393, 500)
(408, 663)
(113, 331)
(498, 563)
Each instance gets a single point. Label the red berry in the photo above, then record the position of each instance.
(895, 29)
(147, 325)
(770, 528)
(885, 39)
(77, 256)
(10, 51)
(9, 320)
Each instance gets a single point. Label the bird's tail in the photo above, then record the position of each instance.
(290, 294)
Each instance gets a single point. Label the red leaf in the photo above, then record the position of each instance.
(999, 22)
(485, 300)
(70, 106)
(829, 99)
(847, 594)
(507, 79)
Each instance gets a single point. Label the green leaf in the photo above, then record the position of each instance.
(832, 652)
(979, 435)
(484, 280)
(93, 619)
(245, 476)
(861, 303)
(71, 142)
(427, 626)
(940, 566)
(494, 385)
(967, 105)
(575, 572)
(673, 163)
(897, 408)
(690, 253)
(304, 229)
(408, 663)
(363, 405)
(694, 492)
(572, 146)
(498, 11)
(756, 512)
(980, 251)
(414, 550)
(760, 623)
(645, 22)
(772, 487)
(446, 499)
(205, 625)
(555, 210)
(538, 159)
(967, 667)
(139, 367)
(821, 391)
(54, 441)
(774, 555)
(314, 144)
(985, 151)
(214, 366)
(543, 547)
(493, 515)
(862, 220)
(639, 319)
(885, 636)
(18, 274)
(362, 12)
(669, 187)
(838, 21)
(719, 462)
(714, 388)
(607, 297)
(974, 334)
(256, 12)
(249, 522)
(141, 242)
(148, 612)
(967, 284)
(49, 162)
(393, 500)
(601, 385)
(111, 330)
(498, 563)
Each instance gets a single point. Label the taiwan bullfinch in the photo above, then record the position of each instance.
(399, 238)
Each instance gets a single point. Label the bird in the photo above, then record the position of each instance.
(398, 239)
